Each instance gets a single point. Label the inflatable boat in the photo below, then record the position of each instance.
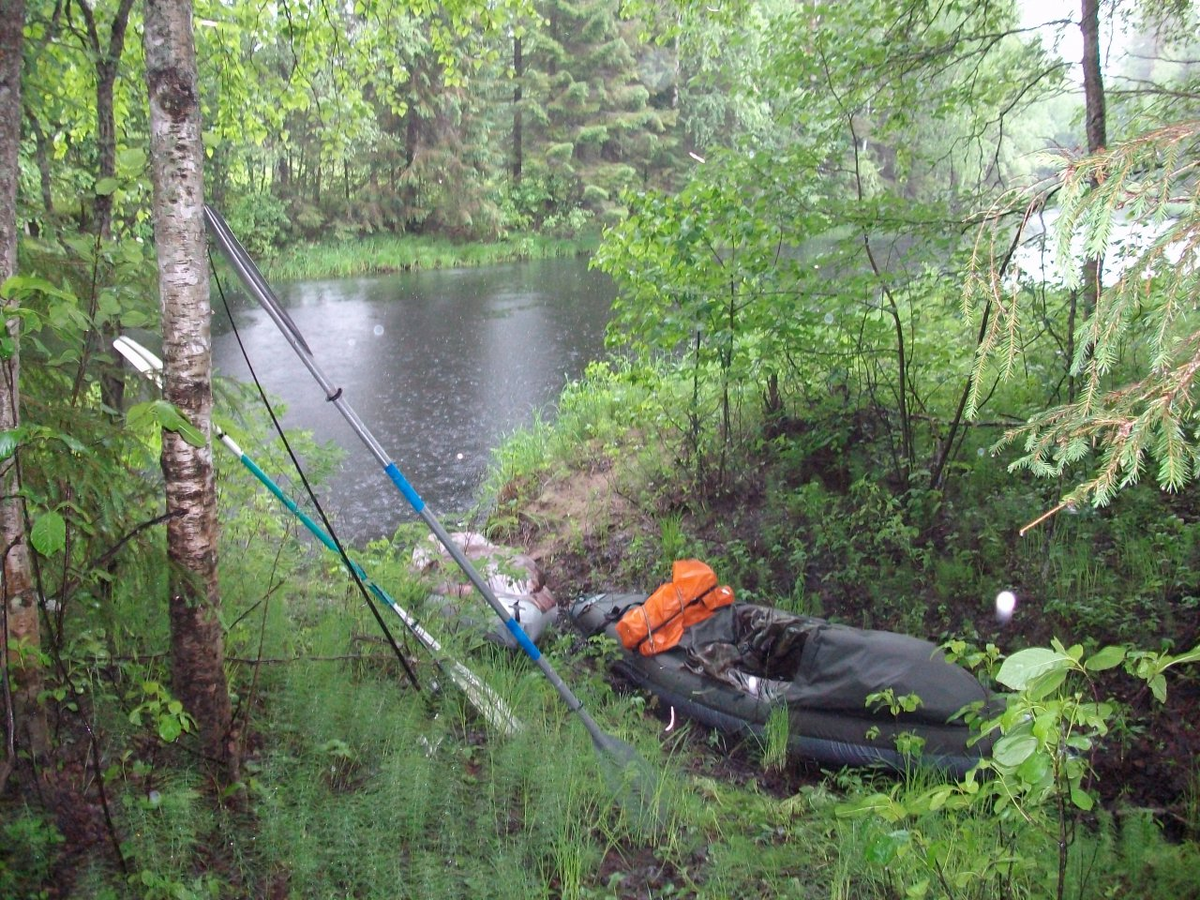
(732, 670)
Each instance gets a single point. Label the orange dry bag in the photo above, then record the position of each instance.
(690, 596)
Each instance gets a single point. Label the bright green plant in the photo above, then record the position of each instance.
(775, 738)
(1036, 782)
(160, 712)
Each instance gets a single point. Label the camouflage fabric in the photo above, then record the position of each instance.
(815, 664)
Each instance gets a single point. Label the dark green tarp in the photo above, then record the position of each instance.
(817, 665)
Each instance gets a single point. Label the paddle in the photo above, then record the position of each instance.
(635, 771)
(482, 697)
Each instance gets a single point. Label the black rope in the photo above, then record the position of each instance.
(312, 496)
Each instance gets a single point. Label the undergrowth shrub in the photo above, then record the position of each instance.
(28, 852)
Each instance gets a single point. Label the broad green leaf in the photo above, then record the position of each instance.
(1107, 658)
(879, 804)
(1081, 798)
(1012, 750)
(169, 728)
(49, 533)
(1024, 666)
(72, 443)
(1158, 686)
(107, 305)
(132, 158)
(166, 416)
(24, 285)
(106, 186)
(884, 848)
(1035, 770)
(1046, 684)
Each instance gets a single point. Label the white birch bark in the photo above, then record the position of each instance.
(177, 154)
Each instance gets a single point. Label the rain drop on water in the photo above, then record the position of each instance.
(378, 331)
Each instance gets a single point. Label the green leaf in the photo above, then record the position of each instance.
(1046, 684)
(106, 186)
(132, 158)
(1014, 749)
(1035, 770)
(49, 533)
(1023, 667)
(1081, 798)
(879, 804)
(9, 441)
(1158, 686)
(884, 848)
(169, 728)
(19, 286)
(1107, 658)
(1191, 656)
(167, 416)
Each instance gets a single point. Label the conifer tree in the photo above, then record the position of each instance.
(589, 123)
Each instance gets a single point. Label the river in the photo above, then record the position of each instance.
(440, 365)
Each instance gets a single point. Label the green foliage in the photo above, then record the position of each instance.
(263, 222)
(158, 710)
(1135, 351)
(48, 535)
(28, 855)
(1034, 785)
(800, 348)
(166, 417)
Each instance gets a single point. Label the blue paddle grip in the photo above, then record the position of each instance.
(523, 639)
(406, 489)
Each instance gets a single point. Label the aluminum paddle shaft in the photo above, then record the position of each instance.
(246, 270)
(482, 697)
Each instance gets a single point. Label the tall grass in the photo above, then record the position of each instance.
(357, 785)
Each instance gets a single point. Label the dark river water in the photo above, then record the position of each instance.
(439, 365)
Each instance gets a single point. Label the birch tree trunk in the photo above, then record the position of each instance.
(176, 153)
(24, 725)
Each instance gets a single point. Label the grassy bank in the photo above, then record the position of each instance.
(384, 254)
(355, 784)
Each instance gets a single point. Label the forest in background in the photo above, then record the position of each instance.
(897, 279)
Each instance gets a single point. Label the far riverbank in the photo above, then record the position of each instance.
(387, 254)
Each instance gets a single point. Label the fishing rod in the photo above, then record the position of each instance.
(613, 748)
(482, 697)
